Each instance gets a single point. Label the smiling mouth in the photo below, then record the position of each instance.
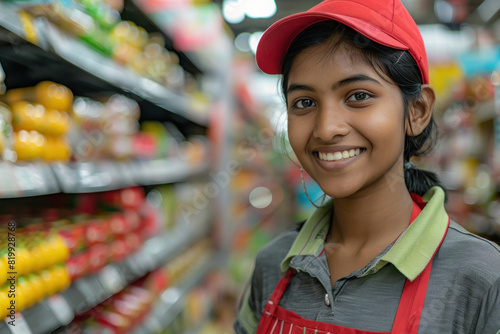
(340, 155)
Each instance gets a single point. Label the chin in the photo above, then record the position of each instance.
(339, 190)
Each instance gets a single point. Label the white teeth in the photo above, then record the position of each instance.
(339, 155)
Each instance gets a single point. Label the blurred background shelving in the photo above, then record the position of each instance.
(106, 140)
(144, 159)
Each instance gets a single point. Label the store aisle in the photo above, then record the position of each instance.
(144, 159)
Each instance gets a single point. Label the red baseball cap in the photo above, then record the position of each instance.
(386, 22)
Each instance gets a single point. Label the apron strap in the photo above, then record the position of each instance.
(280, 289)
(412, 299)
(272, 304)
(411, 303)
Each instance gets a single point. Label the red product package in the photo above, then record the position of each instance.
(97, 231)
(134, 241)
(119, 224)
(140, 294)
(74, 236)
(144, 145)
(158, 281)
(99, 255)
(117, 323)
(151, 221)
(132, 198)
(133, 218)
(128, 198)
(126, 306)
(78, 265)
(119, 249)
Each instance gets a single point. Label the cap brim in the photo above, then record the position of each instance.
(276, 40)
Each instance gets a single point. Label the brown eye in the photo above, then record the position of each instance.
(304, 103)
(358, 96)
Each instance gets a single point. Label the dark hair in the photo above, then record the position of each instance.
(396, 64)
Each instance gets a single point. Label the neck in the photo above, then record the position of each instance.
(372, 219)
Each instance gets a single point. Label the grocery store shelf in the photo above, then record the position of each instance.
(163, 248)
(53, 40)
(25, 180)
(110, 175)
(92, 177)
(35, 178)
(89, 291)
(132, 12)
(10, 20)
(172, 300)
(164, 171)
(106, 69)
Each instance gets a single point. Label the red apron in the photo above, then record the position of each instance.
(277, 320)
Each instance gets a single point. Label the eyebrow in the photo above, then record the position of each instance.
(341, 83)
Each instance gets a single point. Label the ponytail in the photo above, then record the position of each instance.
(419, 181)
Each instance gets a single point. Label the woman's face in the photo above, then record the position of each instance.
(345, 121)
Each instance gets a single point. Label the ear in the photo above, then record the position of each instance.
(420, 111)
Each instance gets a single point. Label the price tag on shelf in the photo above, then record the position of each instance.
(126, 175)
(33, 179)
(153, 325)
(8, 183)
(18, 325)
(134, 265)
(61, 309)
(144, 261)
(86, 290)
(112, 279)
(149, 263)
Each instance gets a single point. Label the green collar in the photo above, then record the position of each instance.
(410, 254)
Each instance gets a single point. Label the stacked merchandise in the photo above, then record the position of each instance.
(45, 123)
(153, 302)
(77, 240)
(104, 162)
(50, 250)
(39, 263)
(40, 120)
(106, 236)
(98, 24)
(63, 251)
(118, 314)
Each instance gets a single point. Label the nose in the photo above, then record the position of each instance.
(330, 123)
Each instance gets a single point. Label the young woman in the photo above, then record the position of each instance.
(382, 256)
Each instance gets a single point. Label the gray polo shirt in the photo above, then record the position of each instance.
(463, 295)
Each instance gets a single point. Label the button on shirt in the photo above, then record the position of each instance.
(463, 295)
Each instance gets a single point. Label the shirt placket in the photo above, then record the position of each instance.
(317, 268)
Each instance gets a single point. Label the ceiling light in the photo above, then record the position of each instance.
(233, 11)
(260, 9)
